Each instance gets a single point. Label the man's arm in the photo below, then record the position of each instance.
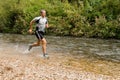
(31, 23)
(46, 25)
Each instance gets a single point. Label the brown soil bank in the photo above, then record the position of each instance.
(27, 67)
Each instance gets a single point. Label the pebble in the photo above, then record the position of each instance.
(16, 68)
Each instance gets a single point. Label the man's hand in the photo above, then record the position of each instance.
(30, 31)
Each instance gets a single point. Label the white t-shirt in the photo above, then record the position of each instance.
(40, 23)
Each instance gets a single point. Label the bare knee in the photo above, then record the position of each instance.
(44, 42)
(38, 43)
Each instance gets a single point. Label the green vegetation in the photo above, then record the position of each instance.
(82, 18)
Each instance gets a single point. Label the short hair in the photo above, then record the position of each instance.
(41, 11)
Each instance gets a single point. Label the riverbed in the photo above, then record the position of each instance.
(70, 58)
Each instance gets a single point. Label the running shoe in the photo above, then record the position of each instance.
(45, 55)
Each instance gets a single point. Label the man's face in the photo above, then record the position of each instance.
(43, 13)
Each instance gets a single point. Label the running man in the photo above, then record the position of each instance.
(41, 24)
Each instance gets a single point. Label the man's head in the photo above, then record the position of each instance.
(43, 13)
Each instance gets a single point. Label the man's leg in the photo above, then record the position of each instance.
(34, 44)
(44, 44)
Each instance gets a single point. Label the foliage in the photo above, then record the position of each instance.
(88, 18)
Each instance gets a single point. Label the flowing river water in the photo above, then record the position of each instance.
(95, 55)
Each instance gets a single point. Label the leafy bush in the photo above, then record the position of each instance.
(89, 18)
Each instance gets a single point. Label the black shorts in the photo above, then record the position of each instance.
(39, 34)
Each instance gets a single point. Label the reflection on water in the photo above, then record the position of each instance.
(76, 47)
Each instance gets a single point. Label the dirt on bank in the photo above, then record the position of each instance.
(28, 67)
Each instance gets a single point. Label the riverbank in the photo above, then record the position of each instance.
(27, 67)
